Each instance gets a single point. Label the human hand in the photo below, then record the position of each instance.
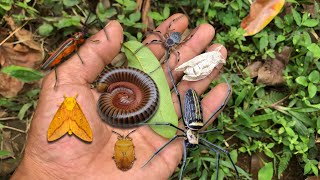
(69, 157)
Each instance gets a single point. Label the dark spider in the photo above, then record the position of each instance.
(169, 41)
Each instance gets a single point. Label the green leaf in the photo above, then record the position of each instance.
(70, 3)
(6, 5)
(4, 153)
(241, 96)
(68, 22)
(23, 110)
(22, 73)
(310, 23)
(155, 15)
(134, 17)
(314, 76)
(45, 29)
(315, 49)
(266, 173)
(147, 62)
(263, 43)
(296, 16)
(312, 90)
(166, 11)
(302, 80)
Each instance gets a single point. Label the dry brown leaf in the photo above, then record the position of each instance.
(20, 55)
(254, 68)
(9, 86)
(146, 20)
(271, 73)
(261, 14)
(285, 55)
(24, 36)
(3, 114)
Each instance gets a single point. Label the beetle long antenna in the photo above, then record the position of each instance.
(184, 159)
(222, 105)
(130, 133)
(218, 157)
(222, 150)
(117, 133)
(172, 139)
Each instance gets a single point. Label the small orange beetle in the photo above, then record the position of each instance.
(124, 152)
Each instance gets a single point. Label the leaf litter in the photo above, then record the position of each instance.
(19, 49)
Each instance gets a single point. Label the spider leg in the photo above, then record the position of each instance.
(222, 105)
(152, 41)
(172, 139)
(176, 91)
(169, 27)
(177, 53)
(218, 158)
(209, 131)
(184, 159)
(163, 124)
(222, 150)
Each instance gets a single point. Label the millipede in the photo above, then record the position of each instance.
(129, 97)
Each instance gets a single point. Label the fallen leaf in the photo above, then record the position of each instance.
(147, 62)
(271, 73)
(9, 86)
(254, 68)
(3, 114)
(24, 36)
(261, 14)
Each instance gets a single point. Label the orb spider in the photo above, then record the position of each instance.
(193, 123)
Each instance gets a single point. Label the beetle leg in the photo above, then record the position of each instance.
(222, 105)
(79, 54)
(207, 143)
(184, 160)
(172, 139)
(56, 77)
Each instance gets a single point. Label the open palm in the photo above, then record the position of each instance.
(69, 157)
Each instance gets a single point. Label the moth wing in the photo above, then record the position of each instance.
(59, 124)
(79, 124)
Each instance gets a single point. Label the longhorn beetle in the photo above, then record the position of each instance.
(68, 47)
(193, 122)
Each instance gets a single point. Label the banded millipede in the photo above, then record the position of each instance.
(129, 97)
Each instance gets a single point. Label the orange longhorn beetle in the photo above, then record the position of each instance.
(65, 49)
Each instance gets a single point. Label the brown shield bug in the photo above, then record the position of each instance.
(124, 152)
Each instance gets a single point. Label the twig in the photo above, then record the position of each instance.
(8, 118)
(15, 129)
(274, 104)
(11, 34)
